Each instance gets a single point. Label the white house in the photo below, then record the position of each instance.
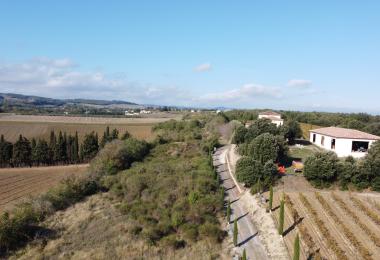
(273, 116)
(344, 142)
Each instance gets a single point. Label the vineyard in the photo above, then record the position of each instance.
(331, 225)
(20, 183)
(11, 126)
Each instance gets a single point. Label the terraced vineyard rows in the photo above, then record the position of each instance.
(20, 183)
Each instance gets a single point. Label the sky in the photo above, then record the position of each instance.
(293, 55)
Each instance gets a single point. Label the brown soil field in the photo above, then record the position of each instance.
(11, 126)
(351, 231)
(17, 184)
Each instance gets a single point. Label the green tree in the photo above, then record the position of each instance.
(248, 170)
(239, 135)
(22, 152)
(270, 198)
(269, 174)
(75, 151)
(370, 172)
(264, 148)
(236, 232)
(229, 211)
(114, 134)
(126, 135)
(6, 152)
(321, 168)
(89, 147)
(292, 131)
(244, 257)
(296, 254)
(53, 148)
(259, 127)
(281, 219)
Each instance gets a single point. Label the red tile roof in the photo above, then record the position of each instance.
(344, 133)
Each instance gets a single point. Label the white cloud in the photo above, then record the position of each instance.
(245, 93)
(203, 67)
(61, 78)
(299, 83)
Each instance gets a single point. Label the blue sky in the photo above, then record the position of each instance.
(320, 55)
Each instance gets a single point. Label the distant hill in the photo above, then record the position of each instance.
(27, 101)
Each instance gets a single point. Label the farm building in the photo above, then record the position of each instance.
(342, 141)
(273, 116)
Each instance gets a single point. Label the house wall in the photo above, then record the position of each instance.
(343, 146)
(266, 116)
(278, 122)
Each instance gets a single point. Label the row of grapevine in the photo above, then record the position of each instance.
(357, 220)
(305, 235)
(364, 252)
(370, 213)
(333, 245)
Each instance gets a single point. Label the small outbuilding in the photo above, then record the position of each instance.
(344, 142)
(274, 117)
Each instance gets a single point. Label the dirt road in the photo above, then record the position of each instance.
(248, 234)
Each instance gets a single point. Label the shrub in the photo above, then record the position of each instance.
(321, 168)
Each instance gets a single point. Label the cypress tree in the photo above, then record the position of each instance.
(34, 152)
(228, 211)
(281, 220)
(53, 148)
(76, 148)
(270, 198)
(114, 134)
(296, 254)
(244, 257)
(6, 152)
(89, 147)
(126, 135)
(22, 152)
(235, 233)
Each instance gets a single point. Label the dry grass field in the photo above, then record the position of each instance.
(11, 126)
(17, 184)
(341, 225)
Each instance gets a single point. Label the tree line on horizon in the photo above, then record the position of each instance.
(61, 149)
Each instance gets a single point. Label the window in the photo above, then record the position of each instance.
(314, 137)
(323, 140)
(359, 146)
(333, 144)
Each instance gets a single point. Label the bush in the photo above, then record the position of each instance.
(118, 155)
(321, 168)
(371, 166)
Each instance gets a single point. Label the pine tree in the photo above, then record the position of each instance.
(228, 211)
(235, 233)
(281, 220)
(296, 254)
(244, 257)
(270, 198)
